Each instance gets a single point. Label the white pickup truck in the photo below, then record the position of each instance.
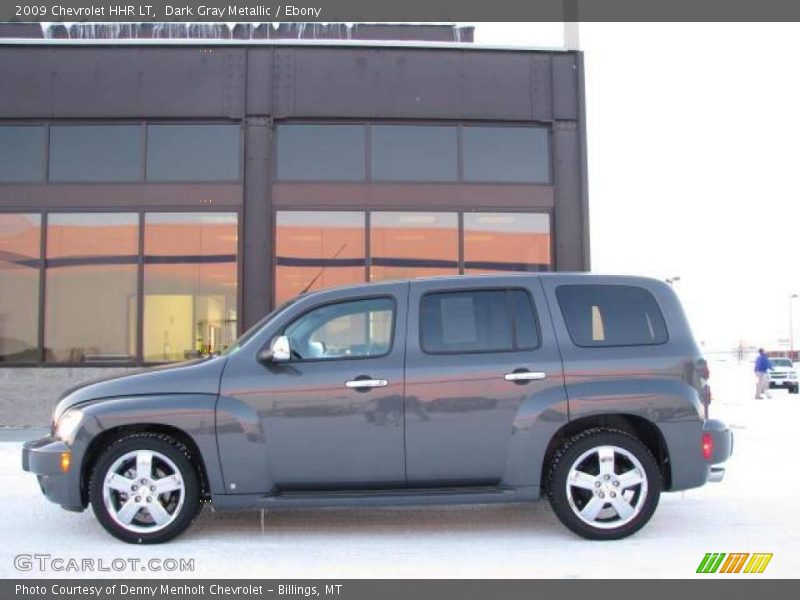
(783, 375)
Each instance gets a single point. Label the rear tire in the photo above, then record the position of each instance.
(793, 390)
(144, 488)
(604, 484)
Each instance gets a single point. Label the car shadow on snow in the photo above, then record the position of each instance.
(337, 523)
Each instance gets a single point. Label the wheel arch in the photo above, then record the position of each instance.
(643, 429)
(108, 436)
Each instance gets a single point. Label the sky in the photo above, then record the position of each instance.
(693, 160)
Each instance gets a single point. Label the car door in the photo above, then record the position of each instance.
(331, 417)
(475, 354)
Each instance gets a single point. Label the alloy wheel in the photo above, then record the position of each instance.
(143, 491)
(606, 487)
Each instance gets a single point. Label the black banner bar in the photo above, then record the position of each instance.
(418, 589)
(444, 11)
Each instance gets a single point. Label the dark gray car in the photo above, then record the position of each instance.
(589, 389)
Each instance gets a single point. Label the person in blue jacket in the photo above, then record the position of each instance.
(763, 367)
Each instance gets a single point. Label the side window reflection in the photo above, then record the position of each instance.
(357, 329)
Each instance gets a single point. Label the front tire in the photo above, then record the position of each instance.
(793, 389)
(604, 484)
(144, 488)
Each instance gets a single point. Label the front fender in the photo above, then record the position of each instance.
(192, 414)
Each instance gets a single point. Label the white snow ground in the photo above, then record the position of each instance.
(753, 510)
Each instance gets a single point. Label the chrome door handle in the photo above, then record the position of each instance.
(524, 376)
(355, 384)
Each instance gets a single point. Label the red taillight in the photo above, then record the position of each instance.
(708, 446)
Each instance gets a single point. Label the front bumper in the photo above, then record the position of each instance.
(43, 458)
(783, 383)
(722, 438)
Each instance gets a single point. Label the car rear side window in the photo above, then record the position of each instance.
(611, 315)
(467, 321)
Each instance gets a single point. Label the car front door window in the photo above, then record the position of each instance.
(354, 329)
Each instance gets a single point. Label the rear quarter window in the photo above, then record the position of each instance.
(611, 315)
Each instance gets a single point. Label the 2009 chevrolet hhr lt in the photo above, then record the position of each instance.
(589, 389)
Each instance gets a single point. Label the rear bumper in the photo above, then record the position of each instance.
(43, 458)
(722, 438)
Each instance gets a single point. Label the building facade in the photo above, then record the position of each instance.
(157, 200)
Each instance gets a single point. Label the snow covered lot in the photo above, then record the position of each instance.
(753, 510)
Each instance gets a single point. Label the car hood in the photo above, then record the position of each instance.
(200, 376)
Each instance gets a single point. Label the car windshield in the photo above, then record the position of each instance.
(245, 337)
(781, 362)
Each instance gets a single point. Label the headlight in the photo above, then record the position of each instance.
(68, 424)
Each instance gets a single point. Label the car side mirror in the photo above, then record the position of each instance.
(279, 350)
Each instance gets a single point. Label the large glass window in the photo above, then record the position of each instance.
(193, 152)
(357, 329)
(611, 315)
(506, 154)
(413, 244)
(20, 239)
(21, 154)
(414, 153)
(317, 250)
(506, 242)
(477, 321)
(190, 281)
(95, 153)
(321, 152)
(90, 299)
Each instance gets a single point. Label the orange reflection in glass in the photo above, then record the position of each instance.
(317, 250)
(19, 285)
(90, 302)
(92, 234)
(503, 242)
(413, 244)
(190, 284)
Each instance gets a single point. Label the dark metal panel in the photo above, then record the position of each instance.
(88, 82)
(235, 86)
(568, 221)
(584, 166)
(126, 195)
(259, 81)
(411, 196)
(541, 92)
(495, 84)
(257, 248)
(565, 86)
(26, 72)
(408, 83)
(376, 83)
(283, 71)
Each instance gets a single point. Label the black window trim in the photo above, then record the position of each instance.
(512, 314)
(605, 345)
(390, 349)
